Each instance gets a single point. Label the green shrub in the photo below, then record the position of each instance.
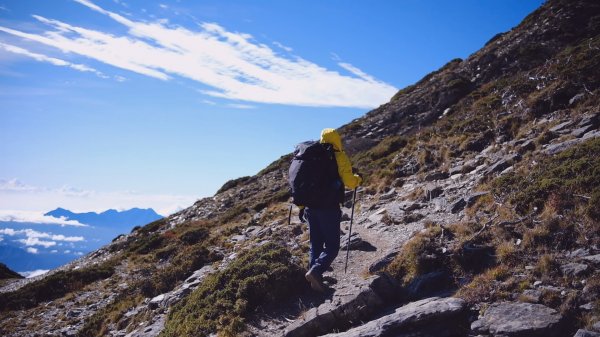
(387, 146)
(182, 265)
(418, 256)
(262, 275)
(233, 183)
(145, 244)
(575, 171)
(54, 286)
(194, 235)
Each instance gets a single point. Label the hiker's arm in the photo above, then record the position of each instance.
(345, 170)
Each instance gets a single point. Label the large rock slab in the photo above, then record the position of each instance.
(356, 306)
(519, 320)
(440, 317)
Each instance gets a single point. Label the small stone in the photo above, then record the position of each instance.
(560, 128)
(586, 333)
(590, 135)
(578, 253)
(458, 205)
(537, 283)
(433, 191)
(579, 132)
(528, 145)
(592, 258)
(472, 198)
(573, 269)
(436, 175)
(577, 98)
(560, 147)
(587, 307)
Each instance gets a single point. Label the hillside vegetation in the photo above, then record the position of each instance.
(482, 182)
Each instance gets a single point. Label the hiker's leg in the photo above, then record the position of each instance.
(317, 240)
(330, 227)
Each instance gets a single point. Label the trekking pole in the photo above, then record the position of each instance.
(350, 231)
(290, 216)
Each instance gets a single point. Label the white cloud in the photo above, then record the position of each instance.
(54, 251)
(37, 242)
(1, 238)
(233, 64)
(240, 106)
(32, 250)
(34, 273)
(286, 48)
(33, 237)
(15, 185)
(14, 195)
(74, 192)
(51, 60)
(34, 217)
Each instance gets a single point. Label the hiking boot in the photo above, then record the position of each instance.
(315, 280)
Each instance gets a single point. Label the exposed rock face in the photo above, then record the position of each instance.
(519, 319)
(443, 317)
(329, 316)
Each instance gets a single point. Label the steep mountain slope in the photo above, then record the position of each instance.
(482, 183)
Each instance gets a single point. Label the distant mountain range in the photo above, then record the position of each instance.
(110, 218)
(26, 246)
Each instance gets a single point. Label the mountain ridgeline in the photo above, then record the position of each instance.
(479, 215)
(111, 217)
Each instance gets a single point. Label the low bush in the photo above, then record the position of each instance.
(54, 286)
(418, 256)
(570, 173)
(221, 303)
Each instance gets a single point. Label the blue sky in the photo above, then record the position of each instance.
(119, 104)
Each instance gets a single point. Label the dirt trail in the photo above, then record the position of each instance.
(272, 322)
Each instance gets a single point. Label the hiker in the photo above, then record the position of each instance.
(324, 214)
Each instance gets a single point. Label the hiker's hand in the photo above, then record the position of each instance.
(359, 179)
(301, 215)
(358, 176)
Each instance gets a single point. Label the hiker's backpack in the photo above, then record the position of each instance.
(313, 176)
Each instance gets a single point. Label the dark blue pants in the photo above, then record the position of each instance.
(324, 229)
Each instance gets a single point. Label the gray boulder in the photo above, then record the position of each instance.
(573, 269)
(503, 164)
(440, 317)
(586, 333)
(519, 320)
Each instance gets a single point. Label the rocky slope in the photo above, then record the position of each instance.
(479, 216)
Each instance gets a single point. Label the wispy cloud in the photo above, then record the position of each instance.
(240, 106)
(14, 195)
(51, 60)
(36, 238)
(14, 185)
(35, 217)
(286, 48)
(234, 65)
(32, 250)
